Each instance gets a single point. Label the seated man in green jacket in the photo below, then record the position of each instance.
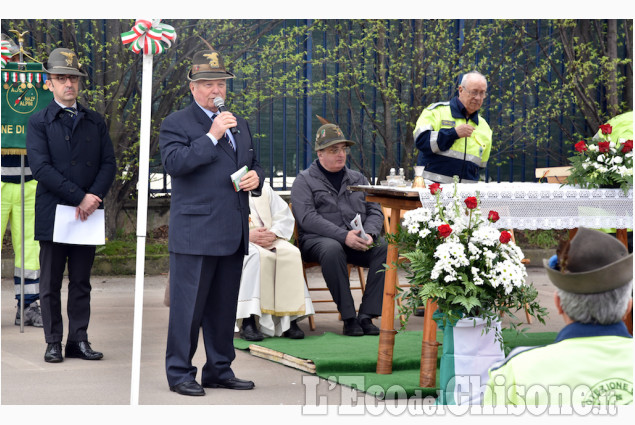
(591, 361)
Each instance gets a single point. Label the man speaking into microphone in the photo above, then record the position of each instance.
(201, 146)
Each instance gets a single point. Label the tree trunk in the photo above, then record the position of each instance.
(580, 82)
(389, 160)
(418, 70)
(628, 46)
(612, 106)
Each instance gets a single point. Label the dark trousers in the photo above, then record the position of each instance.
(53, 259)
(333, 257)
(203, 294)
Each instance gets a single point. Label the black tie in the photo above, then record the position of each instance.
(224, 139)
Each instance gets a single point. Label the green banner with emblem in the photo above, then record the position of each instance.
(24, 92)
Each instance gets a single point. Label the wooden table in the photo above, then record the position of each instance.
(398, 200)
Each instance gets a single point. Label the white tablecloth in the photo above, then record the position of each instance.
(544, 206)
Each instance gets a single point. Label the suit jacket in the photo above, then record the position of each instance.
(67, 166)
(207, 216)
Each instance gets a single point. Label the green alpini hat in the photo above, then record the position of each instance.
(328, 135)
(64, 61)
(208, 65)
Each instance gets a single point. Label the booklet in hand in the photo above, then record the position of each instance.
(237, 176)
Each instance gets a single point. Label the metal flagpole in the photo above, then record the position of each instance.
(142, 218)
(22, 247)
(149, 37)
(21, 44)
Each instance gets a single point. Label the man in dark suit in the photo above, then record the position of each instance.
(73, 160)
(209, 228)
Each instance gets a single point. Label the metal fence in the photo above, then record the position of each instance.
(284, 129)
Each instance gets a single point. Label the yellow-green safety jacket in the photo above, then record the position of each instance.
(588, 364)
(442, 152)
(622, 128)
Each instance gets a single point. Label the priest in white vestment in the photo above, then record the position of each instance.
(273, 294)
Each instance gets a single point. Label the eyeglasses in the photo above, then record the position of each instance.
(474, 93)
(335, 151)
(62, 78)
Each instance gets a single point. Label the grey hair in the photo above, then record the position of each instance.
(470, 75)
(604, 308)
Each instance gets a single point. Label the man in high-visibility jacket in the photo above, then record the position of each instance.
(591, 361)
(452, 138)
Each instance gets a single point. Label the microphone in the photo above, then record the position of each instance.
(220, 104)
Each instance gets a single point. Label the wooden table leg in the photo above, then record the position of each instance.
(622, 236)
(387, 330)
(429, 349)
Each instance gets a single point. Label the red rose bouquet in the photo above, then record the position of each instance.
(602, 162)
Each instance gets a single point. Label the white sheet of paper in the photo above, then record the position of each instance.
(356, 224)
(69, 230)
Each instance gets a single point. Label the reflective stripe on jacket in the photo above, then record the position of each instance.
(440, 149)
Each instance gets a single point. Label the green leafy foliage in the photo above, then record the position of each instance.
(546, 239)
(126, 245)
(377, 75)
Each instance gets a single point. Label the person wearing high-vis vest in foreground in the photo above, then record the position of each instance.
(452, 138)
(591, 361)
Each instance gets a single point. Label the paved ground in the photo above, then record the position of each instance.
(27, 379)
(99, 392)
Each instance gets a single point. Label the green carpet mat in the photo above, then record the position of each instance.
(344, 359)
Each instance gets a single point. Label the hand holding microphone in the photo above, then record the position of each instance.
(220, 104)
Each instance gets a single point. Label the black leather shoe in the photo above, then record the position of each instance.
(53, 353)
(81, 350)
(231, 384)
(368, 327)
(294, 332)
(352, 328)
(249, 331)
(188, 388)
